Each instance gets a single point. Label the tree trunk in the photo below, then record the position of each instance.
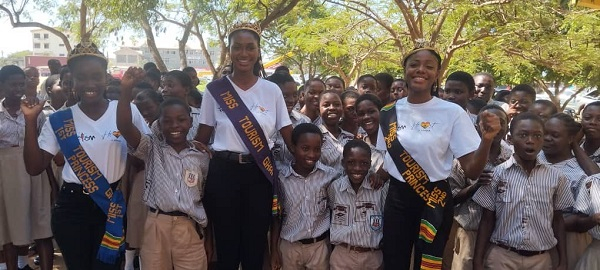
(151, 43)
(184, 39)
(83, 22)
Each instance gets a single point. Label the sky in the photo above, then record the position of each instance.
(19, 39)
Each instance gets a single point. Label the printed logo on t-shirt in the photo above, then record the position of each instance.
(259, 109)
(112, 135)
(423, 126)
(86, 138)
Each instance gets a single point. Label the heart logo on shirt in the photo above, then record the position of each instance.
(425, 125)
(116, 133)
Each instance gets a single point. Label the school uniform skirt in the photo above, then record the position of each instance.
(25, 204)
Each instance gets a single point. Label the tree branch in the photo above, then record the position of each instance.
(14, 21)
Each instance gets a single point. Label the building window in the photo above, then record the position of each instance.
(45, 36)
(46, 45)
(36, 45)
(61, 54)
(61, 45)
(121, 58)
(36, 35)
(131, 59)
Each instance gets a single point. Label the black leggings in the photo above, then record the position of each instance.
(238, 203)
(401, 219)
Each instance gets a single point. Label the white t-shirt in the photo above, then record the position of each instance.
(100, 139)
(264, 99)
(434, 133)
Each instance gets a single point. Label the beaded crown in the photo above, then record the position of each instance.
(254, 27)
(86, 48)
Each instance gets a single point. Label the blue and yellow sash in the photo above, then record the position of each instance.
(249, 130)
(94, 183)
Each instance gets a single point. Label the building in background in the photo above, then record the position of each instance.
(47, 44)
(138, 55)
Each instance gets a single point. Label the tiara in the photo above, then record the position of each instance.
(254, 27)
(86, 48)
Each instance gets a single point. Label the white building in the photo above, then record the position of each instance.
(47, 44)
(138, 55)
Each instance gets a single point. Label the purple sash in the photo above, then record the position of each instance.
(249, 130)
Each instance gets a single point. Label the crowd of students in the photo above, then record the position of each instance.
(392, 174)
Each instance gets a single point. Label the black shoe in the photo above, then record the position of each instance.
(26, 268)
(36, 261)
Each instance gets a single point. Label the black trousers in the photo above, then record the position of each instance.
(237, 199)
(78, 225)
(402, 217)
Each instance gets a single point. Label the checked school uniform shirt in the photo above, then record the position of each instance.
(281, 153)
(331, 151)
(304, 202)
(357, 217)
(468, 213)
(524, 204)
(588, 200)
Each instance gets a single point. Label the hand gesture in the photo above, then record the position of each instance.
(489, 125)
(485, 178)
(578, 138)
(31, 107)
(132, 76)
(512, 110)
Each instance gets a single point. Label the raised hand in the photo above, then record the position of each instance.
(31, 107)
(132, 76)
(485, 178)
(489, 125)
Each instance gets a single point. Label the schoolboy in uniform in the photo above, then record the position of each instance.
(357, 207)
(290, 94)
(522, 207)
(467, 213)
(521, 99)
(459, 89)
(175, 172)
(303, 238)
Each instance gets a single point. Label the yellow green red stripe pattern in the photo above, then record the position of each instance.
(429, 262)
(111, 242)
(427, 231)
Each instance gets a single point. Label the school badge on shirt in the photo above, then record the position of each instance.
(376, 222)
(191, 178)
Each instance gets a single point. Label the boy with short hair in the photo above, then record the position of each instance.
(459, 89)
(290, 94)
(175, 173)
(522, 207)
(300, 240)
(357, 207)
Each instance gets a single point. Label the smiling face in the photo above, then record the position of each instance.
(590, 120)
(556, 137)
(244, 51)
(14, 87)
(174, 89)
(457, 92)
(89, 79)
(527, 138)
(312, 93)
(307, 151)
(367, 85)
(290, 95)
(521, 101)
(356, 163)
(421, 71)
(175, 123)
(368, 116)
(331, 108)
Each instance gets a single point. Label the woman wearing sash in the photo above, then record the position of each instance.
(87, 219)
(242, 110)
(422, 135)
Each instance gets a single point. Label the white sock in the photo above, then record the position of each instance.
(129, 256)
(140, 261)
(3, 266)
(22, 261)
